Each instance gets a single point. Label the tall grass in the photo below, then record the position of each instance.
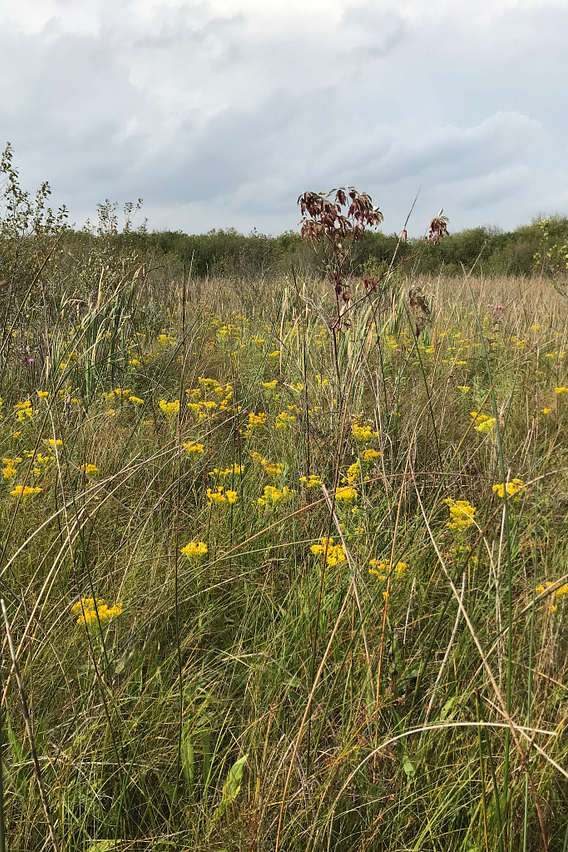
(338, 666)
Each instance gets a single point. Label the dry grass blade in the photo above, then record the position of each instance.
(29, 731)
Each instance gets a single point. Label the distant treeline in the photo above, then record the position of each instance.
(540, 247)
(481, 250)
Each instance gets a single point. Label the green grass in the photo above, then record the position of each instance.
(264, 695)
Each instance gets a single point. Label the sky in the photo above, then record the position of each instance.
(221, 113)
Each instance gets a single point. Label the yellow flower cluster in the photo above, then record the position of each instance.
(89, 468)
(560, 390)
(346, 494)
(515, 488)
(236, 469)
(273, 495)
(165, 340)
(462, 514)
(369, 455)
(39, 462)
(221, 496)
(354, 472)
(335, 553)
(270, 385)
(363, 433)
(563, 590)
(380, 568)
(119, 393)
(484, 423)
(25, 490)
(193, 447)
(270, 467)
(10, 470)
(24, 410)
(285, 418)
(169, 407)
(312, 481)
(205, 408)
(195, 549)
(89, 609)
(256, 420)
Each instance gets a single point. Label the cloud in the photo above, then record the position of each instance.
(221, 112)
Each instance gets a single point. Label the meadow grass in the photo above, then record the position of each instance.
(268, 593)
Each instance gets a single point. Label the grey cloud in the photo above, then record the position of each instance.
(215, 123)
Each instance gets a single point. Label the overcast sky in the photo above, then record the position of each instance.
(220, 113)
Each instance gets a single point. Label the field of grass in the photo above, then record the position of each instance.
(275, 586)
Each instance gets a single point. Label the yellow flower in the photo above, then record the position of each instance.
(377, 574)
(486, 425)
(221, 496)
(274, 354)
(363, 433)
(9, 471)
(272, 495)
(24, 410)
(270, 467)
(169, 407)
(346, 494)
(54, 442)
(256, 420)
(515, 488)
(89, 468)
(193, 447)
(561, 390)
(464, 388)
(136, 400)
(354, 472)
(194, 549)
(546, 410)
(380, 568)
(284, 419)
(98, 612)
(43, 394)
(312, 482)
(462, 514)
(234, 469)
(369, 455)
(118, 392)
(273, 467)
(334, 553)
(25, 490)
(270, 385)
